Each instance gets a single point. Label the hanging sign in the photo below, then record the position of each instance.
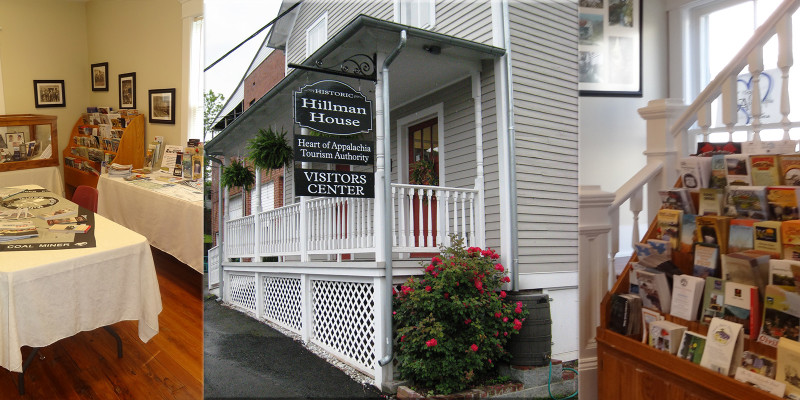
(318, 182)
(332, 107)
(333, 150)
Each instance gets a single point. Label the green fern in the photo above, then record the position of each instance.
(269, 150)
(238, 175)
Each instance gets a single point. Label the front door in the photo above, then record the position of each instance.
(423, 169)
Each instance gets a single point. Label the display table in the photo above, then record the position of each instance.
(48, 295)
(170, 216)
(46, 177)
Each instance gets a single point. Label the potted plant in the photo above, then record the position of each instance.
(238, 175)
(423, 172)
(269, 149)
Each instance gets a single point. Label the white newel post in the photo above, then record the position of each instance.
(256, 221)
(663, 147)
(594, 226)
(303, 214)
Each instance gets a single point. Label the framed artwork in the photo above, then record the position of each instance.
(14, 140)
(49, 93)
(162, 106)
(610, 48)
(127, 90)
(100, 77)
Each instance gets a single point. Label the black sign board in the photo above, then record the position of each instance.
(333, 150)
(332, 107)
(318, 182)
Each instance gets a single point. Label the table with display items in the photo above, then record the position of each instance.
(46, 177)
(48, 295)
(169, 214)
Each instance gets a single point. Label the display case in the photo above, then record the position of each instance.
(28, 141)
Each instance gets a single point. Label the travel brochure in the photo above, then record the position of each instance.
(35, 219)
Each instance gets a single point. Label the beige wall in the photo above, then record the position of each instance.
(142, 37)
(45, 39)
(58, 39)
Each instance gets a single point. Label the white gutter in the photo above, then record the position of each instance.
(512, 170)
(387, 189)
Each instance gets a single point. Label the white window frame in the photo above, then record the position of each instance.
(237, 198)
(400, 6)
(321, 24)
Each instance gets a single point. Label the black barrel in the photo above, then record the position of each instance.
(532, 346)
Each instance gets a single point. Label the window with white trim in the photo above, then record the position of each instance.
(418, 13)
(716, 32)
(317, 34)
(236, 207)
(195, 130)
(267, 197)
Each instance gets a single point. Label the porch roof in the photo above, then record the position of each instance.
(415, 72)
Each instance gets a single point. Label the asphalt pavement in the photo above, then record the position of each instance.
(244, 358)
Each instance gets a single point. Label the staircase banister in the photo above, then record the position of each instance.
(761, 36)
(635, 183)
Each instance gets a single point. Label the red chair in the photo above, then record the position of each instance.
(86, 197)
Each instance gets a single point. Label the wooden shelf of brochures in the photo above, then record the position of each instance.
(130, 151)
(630, 369)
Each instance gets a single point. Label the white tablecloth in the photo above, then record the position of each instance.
(171, 224)
(46, 177)
(49, 295)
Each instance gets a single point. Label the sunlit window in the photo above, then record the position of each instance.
(316, 34)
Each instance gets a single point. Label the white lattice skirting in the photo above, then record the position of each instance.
(344, 320)
(341, 311)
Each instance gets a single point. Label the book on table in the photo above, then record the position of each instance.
(654, 289)
(59, 214)
(15, 230)
(743, 306)
(665, 336)
(724, 346)
(70, 228)
(713, 299)
(687, 291)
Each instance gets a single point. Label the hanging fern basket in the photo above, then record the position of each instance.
(269, 150)
(238, 175)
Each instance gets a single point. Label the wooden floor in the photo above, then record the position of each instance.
(85, 366)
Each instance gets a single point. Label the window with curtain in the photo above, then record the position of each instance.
(196, 81)
(316, 34)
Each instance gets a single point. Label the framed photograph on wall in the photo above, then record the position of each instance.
(49, 93)
(162, 106)
(127, 90)
(100, 77)
(610, 48)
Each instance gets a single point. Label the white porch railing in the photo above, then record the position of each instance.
(213, 266)
(423, 218)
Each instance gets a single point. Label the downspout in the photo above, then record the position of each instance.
(512, 169)
(220, 224)
(387, 190)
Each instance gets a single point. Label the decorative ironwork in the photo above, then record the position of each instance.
(359, 66)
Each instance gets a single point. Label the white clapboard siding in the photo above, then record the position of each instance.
(469, 20)
(544, 56)
(490, 158)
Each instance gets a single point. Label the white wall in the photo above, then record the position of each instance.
(612, 135)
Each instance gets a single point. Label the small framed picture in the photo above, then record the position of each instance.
(162, 106)
(127, 90)
(49, 93)
(14, 140)
(100, 77)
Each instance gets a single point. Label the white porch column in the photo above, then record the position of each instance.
(594, 226)
(382, 374)
(662, 146)
(256, 206)
(480, 210)
(380, 167)
(304, 214)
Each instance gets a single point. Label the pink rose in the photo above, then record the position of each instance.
(495, 256)
(498, 315)
(467, 321)
(506, 279)
(517, 324)
(499, 267)
(427, 288)
(436, 260)
(429, 268)
(474, 347)
(505, 319)
(478, 284)
(446, 295)
(518, 310)
(431, 343)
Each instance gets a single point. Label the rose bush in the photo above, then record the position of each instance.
(453, 323)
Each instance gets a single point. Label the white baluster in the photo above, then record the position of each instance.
(704, 119)
(729, 104)
(369, 233)
(446, 218)
(439, 227)
(464, 215)
(472, 241)
(393, 214)
(429, 231)
(756, 65)
(411, 239)
(785, 61)
(401, 216)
